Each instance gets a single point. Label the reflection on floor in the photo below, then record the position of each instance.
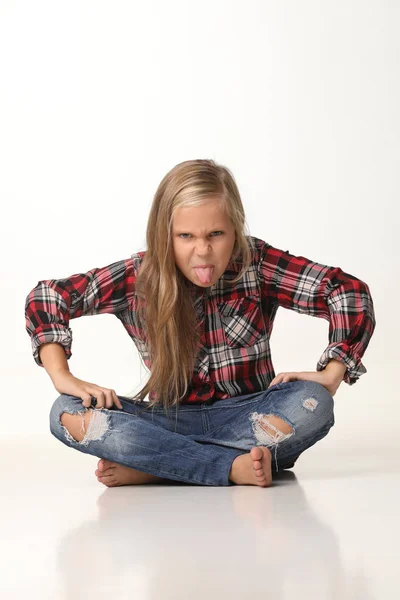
(327, 529)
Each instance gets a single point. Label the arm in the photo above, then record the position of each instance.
(336, 368)
(315, 289)
(52, 303)
(54, 359)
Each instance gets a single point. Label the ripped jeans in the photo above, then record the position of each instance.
(197, 444)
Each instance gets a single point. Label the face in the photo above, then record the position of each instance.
(203, 236)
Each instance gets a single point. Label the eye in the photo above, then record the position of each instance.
(179, 235)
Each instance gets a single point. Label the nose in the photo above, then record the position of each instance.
(203, 248)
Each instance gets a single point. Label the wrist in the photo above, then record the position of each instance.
(54, 375)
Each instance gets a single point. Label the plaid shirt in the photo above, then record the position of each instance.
(236, 321)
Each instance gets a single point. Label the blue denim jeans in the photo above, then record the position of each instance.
(197, 444)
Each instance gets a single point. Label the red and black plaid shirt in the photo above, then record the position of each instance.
(234, 356)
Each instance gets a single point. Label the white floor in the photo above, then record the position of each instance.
(328, 529)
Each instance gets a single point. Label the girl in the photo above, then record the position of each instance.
(200, 304)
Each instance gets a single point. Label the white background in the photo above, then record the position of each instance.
(99, 100)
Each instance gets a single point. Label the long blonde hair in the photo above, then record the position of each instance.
(166, 311)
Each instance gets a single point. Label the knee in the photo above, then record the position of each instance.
(309, 406)
(83, 426)
(316, 401)
(69, 419)
(319, 396)
(75, 424)
(64, 403)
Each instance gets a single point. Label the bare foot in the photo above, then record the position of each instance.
(112, 474)
(253, 468)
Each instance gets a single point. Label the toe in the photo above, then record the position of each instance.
(256, 453)
(104, 464)
(107, 480)
(108, 471)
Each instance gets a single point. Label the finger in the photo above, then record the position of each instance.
(92, 391)
(93, 395)
(100, 397)
(108, 398)
(117, 401)
(86, 399)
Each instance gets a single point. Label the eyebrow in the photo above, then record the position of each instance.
(181, 230)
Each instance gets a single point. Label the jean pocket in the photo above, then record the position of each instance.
(242, 321)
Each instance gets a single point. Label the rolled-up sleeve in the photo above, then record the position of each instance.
(51, 304)
(308, 287)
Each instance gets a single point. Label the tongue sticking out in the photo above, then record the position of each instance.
(205, 274)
